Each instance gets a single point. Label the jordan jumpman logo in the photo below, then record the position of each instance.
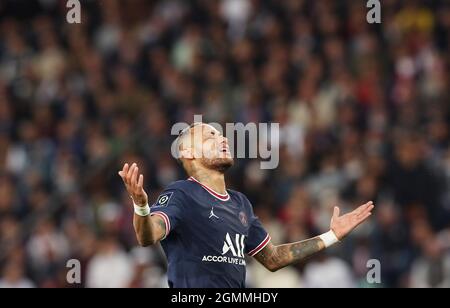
(212, 214)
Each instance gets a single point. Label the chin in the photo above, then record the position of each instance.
(219, 164)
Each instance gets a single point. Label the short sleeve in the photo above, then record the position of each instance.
(169, 207)
(257, 239)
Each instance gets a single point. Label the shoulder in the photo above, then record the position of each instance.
(176, 192)
(239, 196)
(235, 193)
(182, 185)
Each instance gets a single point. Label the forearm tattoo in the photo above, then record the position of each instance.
(276, 257)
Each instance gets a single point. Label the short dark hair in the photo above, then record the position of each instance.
(180, 135)
(185, 130)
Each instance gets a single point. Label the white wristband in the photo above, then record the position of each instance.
(141, 210)
(329, 238)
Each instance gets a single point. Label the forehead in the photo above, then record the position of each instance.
(203, 129)
(197, 132)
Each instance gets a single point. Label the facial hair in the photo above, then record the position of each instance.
(218, 164)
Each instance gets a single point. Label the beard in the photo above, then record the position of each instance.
(218, 164)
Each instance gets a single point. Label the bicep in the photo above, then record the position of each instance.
(159, 227)
(168, 208)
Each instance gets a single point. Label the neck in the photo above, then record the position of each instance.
(211, 178)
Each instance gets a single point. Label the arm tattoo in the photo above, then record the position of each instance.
(149, 229)
(276, 257)
(162, 226)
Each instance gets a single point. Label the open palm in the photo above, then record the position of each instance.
(134, 183)
(343, 225)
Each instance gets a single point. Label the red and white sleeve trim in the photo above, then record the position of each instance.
(260, 246)
(166, 221)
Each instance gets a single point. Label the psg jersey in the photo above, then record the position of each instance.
(207, 235)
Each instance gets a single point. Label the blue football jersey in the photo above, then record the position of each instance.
(207, 235)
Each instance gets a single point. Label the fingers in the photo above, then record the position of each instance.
(370, 208)
(134, 183)
(364, 211)
(367, 209)
(124, 171)
(130, 176)
(336, 211)
(134, 175)
(363, 218)
(363, 208)
(140, 182)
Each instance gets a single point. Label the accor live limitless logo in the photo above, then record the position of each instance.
(233, 247)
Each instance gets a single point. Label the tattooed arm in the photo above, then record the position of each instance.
(277, 257)
(149, 229)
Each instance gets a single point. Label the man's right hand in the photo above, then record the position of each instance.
(134, 184)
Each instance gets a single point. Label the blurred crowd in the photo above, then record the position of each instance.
(363, 112)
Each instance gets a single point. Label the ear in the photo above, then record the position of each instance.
(186, 153)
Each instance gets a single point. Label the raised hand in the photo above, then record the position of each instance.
(134, 184)
(343, 225)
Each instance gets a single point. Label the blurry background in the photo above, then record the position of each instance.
(363, 112)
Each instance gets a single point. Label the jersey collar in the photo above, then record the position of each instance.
(221, 197)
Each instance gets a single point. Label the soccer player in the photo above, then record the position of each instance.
(206, 229)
